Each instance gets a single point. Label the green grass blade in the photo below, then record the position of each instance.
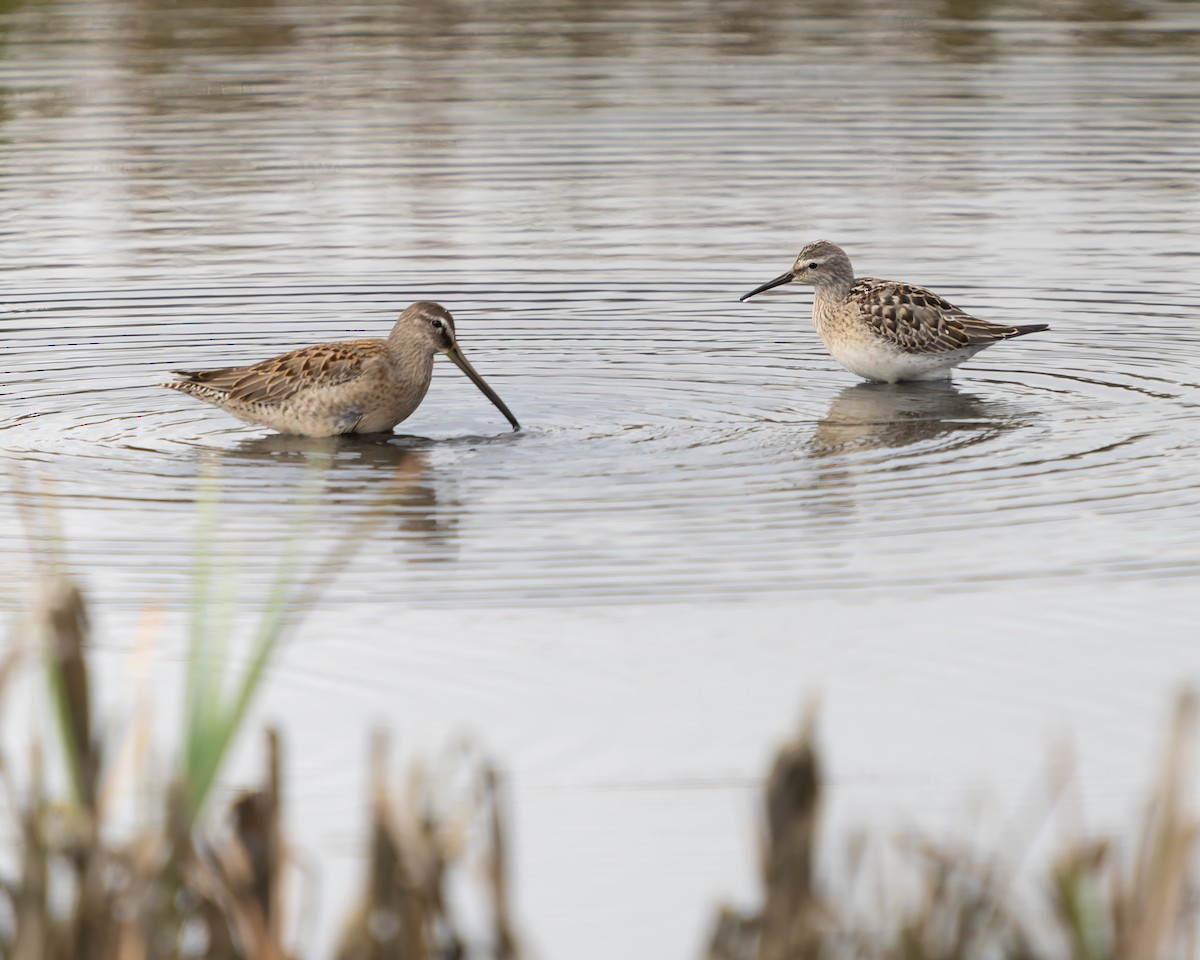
(201, 676)
(216, 718)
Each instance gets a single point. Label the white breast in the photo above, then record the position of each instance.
(861, 350)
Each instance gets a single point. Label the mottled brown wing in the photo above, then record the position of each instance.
(917, 320)
(275, 380)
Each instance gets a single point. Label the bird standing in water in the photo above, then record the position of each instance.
(885, 330)
(348, 386)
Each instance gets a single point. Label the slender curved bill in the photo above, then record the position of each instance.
(778, 281)
(456, 355)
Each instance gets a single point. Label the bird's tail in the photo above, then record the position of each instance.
(1022, 329)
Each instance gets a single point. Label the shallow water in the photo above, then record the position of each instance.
(705, 519)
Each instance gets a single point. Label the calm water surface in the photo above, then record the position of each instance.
(705, 519)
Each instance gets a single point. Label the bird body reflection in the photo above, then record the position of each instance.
(869, 416)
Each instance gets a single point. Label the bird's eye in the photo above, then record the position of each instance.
(437, 324)
(813, 265)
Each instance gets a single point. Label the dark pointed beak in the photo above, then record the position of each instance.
(778, 281)
(456, 355)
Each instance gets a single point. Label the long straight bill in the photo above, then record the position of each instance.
(455, 354)
(781, 279)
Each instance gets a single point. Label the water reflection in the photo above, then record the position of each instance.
(591, 181)
(376, 452)
(919, 418)
(380, 480)
(870, 416)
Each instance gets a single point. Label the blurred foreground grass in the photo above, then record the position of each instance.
(182, 885)
(1097, 898)
(189, 882)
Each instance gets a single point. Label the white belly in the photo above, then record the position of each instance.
(876, 361)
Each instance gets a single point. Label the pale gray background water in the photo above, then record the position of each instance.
(705, 519)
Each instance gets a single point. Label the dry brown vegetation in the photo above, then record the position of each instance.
(186, 883)
(1098, 899)
(185, 886)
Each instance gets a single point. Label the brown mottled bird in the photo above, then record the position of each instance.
(885, 330)
(348, 386)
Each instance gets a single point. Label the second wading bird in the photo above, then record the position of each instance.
(348, 386)
(886, 330)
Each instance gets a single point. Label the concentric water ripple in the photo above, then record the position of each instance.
(677, 444)
(704, 518)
